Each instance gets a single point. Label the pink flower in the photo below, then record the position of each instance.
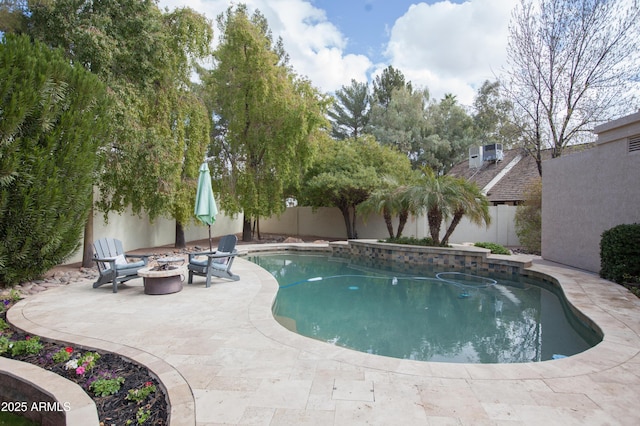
(27, 338)
(80, 370)
(147, 384)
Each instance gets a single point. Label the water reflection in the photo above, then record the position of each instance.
(448, 318)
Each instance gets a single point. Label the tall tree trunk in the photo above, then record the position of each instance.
(353, 227)
(388, 221)
(246, 229)
(87, 253)
(434, 216)
(180, 241)
(457, 216)
(403, 216)
(347, 221)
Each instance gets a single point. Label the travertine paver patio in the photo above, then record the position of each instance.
(225, 360)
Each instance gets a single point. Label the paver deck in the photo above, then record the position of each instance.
(225, 360)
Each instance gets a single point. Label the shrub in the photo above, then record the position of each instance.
(107, 385)
(53, 122)
(495, 248)
(528, 219)
(620, 253)
(30, 345)
(413, 241)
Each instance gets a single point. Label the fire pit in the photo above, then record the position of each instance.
(165, 278)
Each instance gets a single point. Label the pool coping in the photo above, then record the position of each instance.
(583, 291)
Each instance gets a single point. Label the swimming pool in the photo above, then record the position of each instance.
(445, 316)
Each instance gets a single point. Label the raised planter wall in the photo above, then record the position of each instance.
(43, 396)
(475, 259)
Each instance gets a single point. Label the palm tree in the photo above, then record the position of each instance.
(389, 200)
(446, 196)
(473, 204)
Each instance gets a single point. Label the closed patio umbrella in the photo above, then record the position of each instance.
(206, 209)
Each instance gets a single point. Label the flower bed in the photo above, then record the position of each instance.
(124, 393)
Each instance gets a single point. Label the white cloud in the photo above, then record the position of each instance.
(451, 48)
(315, 46)
(446, 47)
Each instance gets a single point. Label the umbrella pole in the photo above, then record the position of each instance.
(210, 247)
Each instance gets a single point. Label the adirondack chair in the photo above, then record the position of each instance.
(214, 263)
(113, 265)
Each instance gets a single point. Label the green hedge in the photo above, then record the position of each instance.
(620, 253)
(413, 241)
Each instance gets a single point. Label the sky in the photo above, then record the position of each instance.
(449, 46)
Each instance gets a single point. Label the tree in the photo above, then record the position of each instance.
(53, 120)
(572, 65)
(528, 218)
(265, 118)
(345, 173)
(447, 196)
(492, 117)
(388, 200)
(470, 203)
(385, 84)
(349, 113)
(401, 123)
(12, 16)
(159, 130)
(449, 133)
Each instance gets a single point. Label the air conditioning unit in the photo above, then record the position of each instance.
(493, 152)
(475, 157)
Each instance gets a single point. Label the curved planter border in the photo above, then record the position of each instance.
(181, 402)
(54, 399)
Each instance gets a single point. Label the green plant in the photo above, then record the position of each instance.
(142, 415)
(106, 386)
(413, 241)
(139, 395)
(4, 344)
(53, 122)
(30, 345)
(62, 355)
(528, 218)
(494, 247)
(620, 253)
(3, 325)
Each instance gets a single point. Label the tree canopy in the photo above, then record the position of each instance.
(265, 118)
(145, 56)
(345, 174)
(573, 64)
(349, 113)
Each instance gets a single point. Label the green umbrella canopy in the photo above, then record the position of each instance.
(206, 209)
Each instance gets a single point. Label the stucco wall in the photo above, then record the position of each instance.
(137, 232)
(586, 193)
(329, 223)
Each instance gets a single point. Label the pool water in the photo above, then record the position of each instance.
(433, 316)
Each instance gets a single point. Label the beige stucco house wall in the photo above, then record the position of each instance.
(586, 193)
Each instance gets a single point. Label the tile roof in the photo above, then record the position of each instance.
(513, 184)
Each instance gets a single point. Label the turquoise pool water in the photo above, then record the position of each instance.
(441, 316)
